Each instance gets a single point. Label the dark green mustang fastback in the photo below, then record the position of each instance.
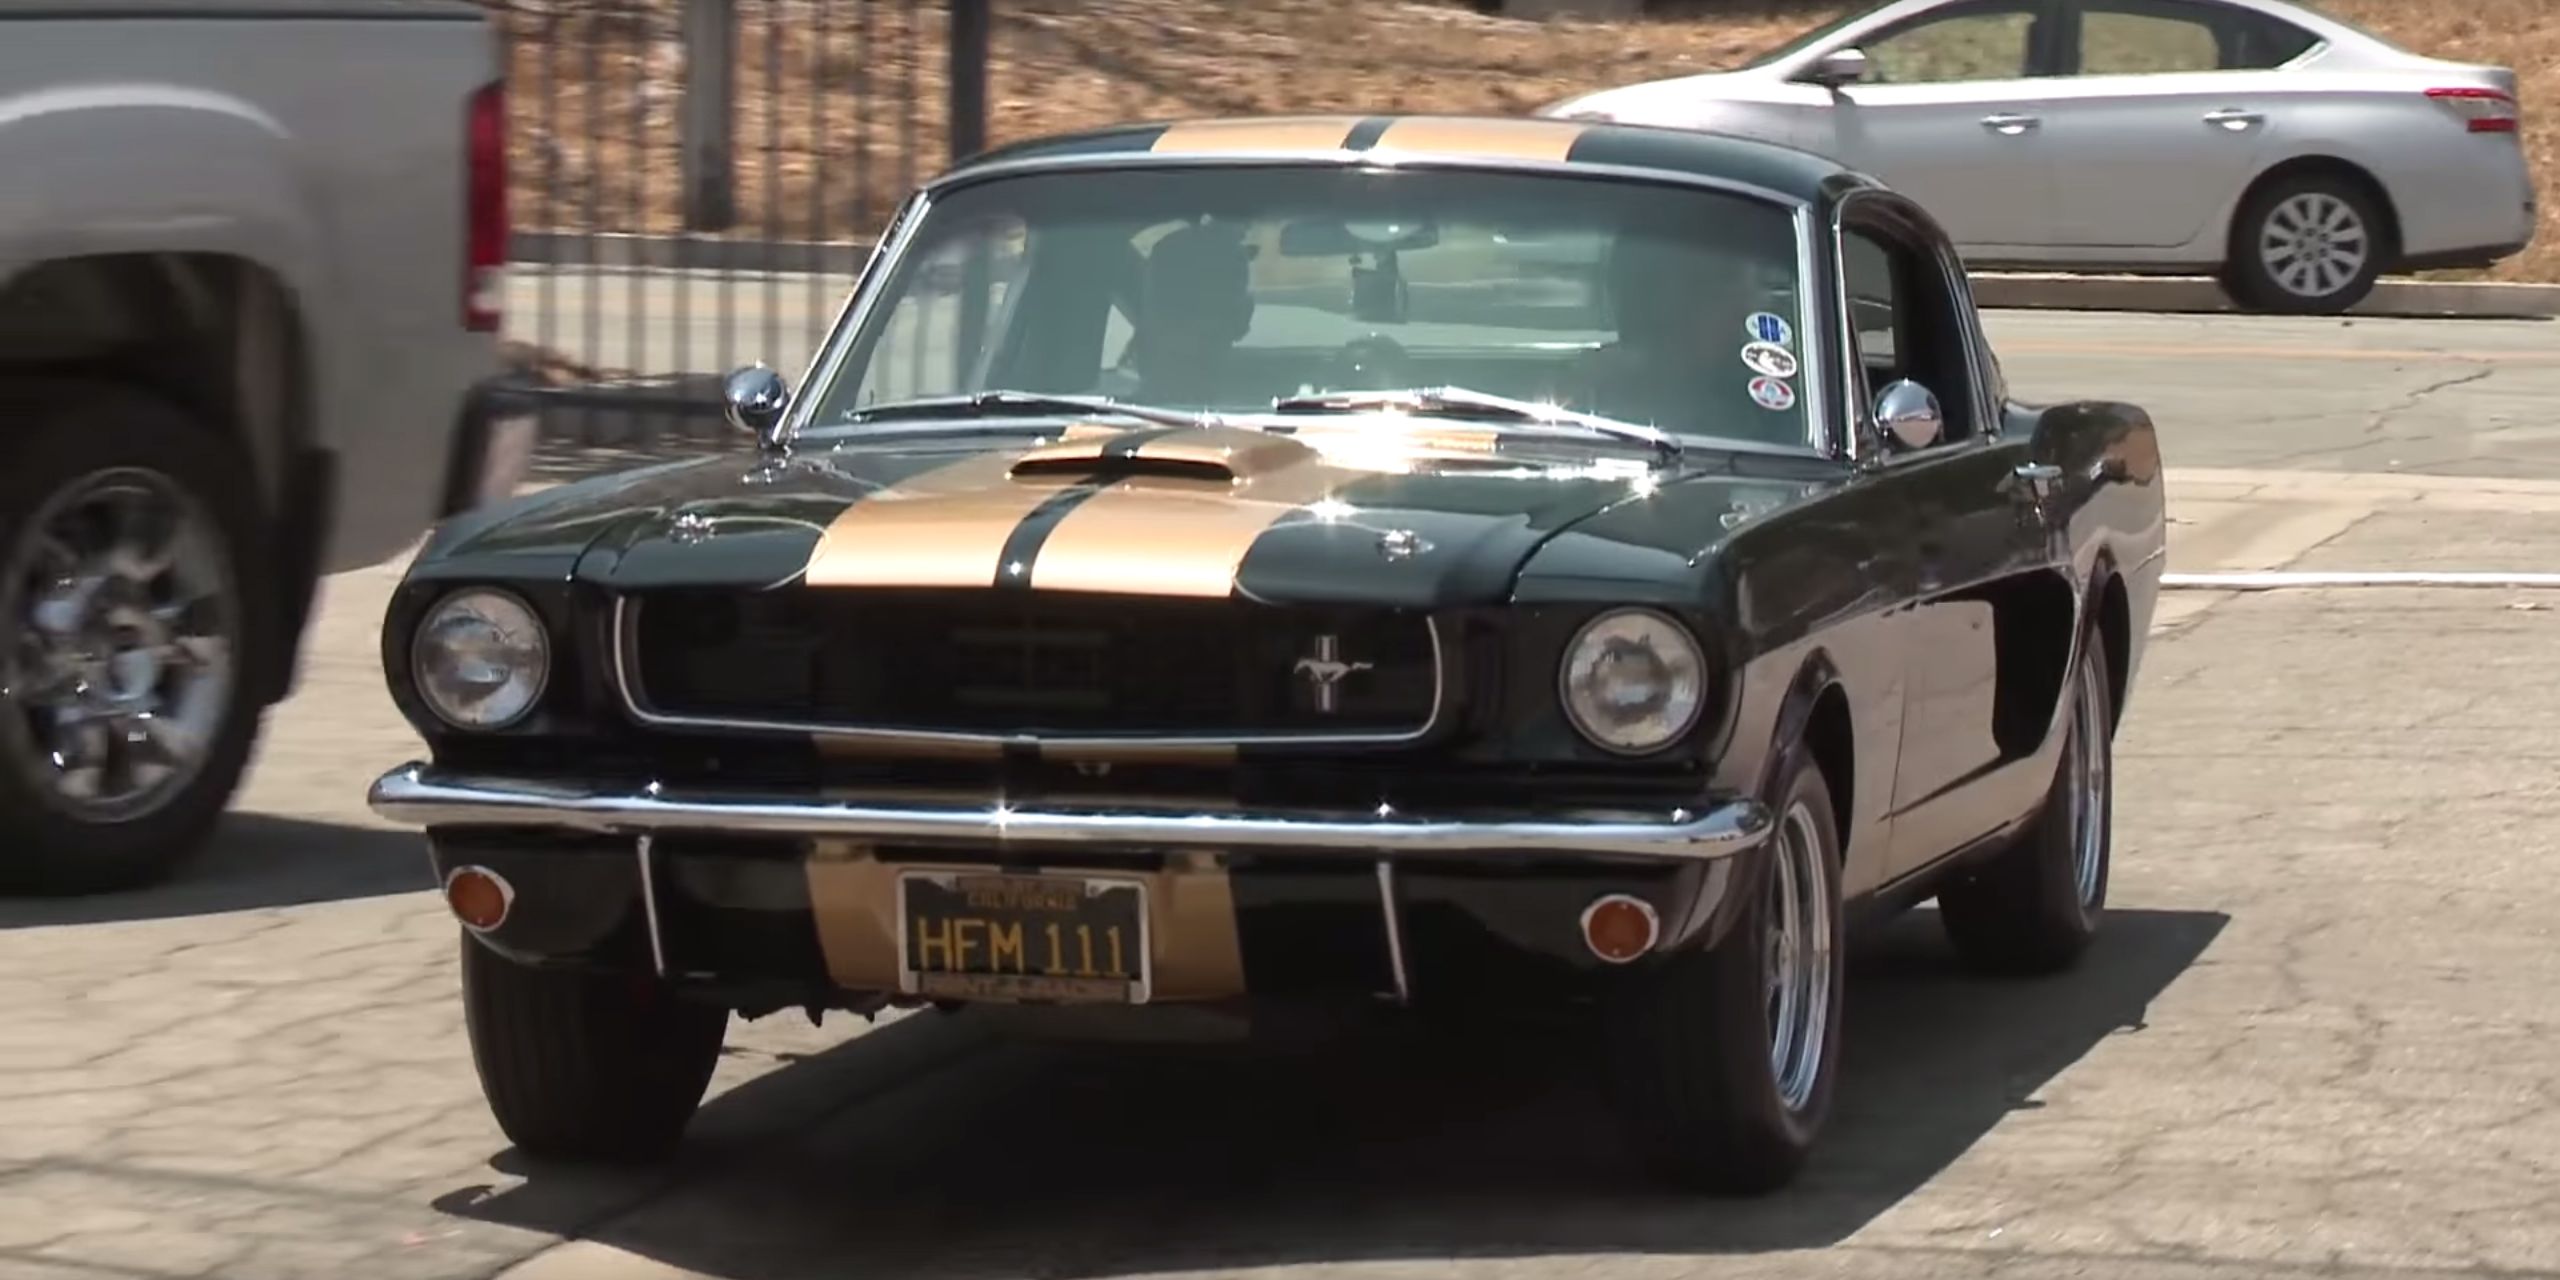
(1313, 560)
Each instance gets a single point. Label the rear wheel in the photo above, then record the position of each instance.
(2036, 906)
(1725, 1058)
(132, 621)
(585, 1066)
(2313, 243)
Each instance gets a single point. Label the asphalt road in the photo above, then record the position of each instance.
(2318, 1037)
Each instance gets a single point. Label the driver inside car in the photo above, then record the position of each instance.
(1680, 309)
(1195, 302)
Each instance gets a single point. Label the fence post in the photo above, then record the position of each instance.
(710, 114)
(970, 20)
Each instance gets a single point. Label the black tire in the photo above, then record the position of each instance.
(57, 434)
(2274, 211)
(1691, 1043)
(585, 1066)
(2030, 910)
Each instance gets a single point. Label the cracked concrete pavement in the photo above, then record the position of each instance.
(2318, 1037)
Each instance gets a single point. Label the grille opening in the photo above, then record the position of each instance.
(1035, 663)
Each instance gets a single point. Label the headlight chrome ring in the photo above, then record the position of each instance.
(1633, 681)
(480, 659)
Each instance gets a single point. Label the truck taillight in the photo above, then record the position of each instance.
(484, 262)
(2482, 110)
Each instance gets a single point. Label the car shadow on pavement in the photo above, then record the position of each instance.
(958, 1158)
(254, 860)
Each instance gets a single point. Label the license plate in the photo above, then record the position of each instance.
(968, 935)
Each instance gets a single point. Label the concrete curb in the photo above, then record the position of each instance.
(1996, 290)
(2198, 294)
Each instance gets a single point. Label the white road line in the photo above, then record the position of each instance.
(2279, 581)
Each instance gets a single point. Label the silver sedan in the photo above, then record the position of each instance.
(2296, 156)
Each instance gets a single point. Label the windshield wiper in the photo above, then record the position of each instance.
(1460, 402)
(985, 404)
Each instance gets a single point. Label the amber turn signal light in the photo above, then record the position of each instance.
(479, 897)
(1619, 928)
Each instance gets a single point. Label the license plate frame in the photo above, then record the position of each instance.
(1136, 988)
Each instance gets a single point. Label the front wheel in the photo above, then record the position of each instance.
(586, 1066)
(1725, 1058)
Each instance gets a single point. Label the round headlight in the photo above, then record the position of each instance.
(481, 659)
(1633, 681)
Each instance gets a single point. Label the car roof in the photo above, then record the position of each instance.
(1493, 140)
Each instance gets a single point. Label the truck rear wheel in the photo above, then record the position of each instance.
(133, 614)
(586, 1066)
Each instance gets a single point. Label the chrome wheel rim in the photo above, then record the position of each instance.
(2314, 244)
(2089, 789)
(1797, 969)
(119, 670)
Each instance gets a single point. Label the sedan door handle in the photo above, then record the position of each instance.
(2033, 482)
(2011, 125)
(2235, 119)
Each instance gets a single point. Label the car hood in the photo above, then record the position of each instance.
(1346, 512)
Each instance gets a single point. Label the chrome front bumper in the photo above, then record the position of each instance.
(428, 796)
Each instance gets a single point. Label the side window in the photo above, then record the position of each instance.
(2159, 37)
(1975, 42)
(1909, 322)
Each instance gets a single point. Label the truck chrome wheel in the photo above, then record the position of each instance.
(2314, 244)
(2089, 796)
(120, 667)
(1799, 961)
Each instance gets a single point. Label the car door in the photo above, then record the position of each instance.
(1967, 526)
(1950, 114)
(2168, 110)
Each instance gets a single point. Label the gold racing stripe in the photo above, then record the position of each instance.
(1191, 921)
(1456, 136)
(1285, 133)
(1163, 536)
(941, 528)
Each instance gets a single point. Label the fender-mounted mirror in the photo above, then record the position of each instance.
(755, 398)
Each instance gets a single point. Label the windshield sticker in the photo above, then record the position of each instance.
(1771, 393)
(1769, 326)
(1769, 359)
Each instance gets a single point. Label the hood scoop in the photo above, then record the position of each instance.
(1225, 454)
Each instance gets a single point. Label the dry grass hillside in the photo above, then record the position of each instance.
(1062, 64)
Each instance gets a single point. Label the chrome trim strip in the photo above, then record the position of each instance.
(424, 795)
(1394, 911)
(1334, 158)
(826, 364)
(627, 688)
(649, 901)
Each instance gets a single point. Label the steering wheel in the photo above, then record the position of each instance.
(1374, 363)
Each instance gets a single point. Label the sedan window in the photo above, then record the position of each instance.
(2160, 37)
(1975, 42)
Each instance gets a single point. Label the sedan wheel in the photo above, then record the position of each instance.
(2310, 244)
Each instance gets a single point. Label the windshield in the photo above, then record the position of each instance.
(1225, 289)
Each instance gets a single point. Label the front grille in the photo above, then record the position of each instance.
(1034, 663)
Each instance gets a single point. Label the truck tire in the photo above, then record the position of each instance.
(2035, 907)
(2306, 244)
(134, 616)
(1725, 1058)
(586, 1066)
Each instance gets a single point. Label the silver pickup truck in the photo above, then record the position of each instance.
(250, 258)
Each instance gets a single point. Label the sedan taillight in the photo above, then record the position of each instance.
(2482, 110)
(485, 211)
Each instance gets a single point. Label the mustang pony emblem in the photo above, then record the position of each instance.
(1325, 670)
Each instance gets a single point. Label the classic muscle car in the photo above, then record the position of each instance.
(1245, 565)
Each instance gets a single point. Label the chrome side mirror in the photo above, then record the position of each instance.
(1909, 415)
(1839, 67)
(756, 398)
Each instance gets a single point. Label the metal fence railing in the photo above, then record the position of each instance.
(696, 182)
